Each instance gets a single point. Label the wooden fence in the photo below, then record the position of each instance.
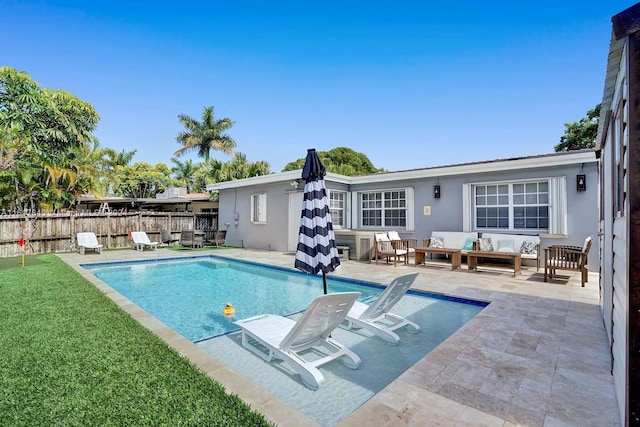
(46, 233)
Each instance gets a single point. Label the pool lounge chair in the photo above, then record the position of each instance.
(376, 318)
(289, 340)
(141, 240)
(88, 240)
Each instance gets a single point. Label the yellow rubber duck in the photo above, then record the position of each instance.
(228, 309)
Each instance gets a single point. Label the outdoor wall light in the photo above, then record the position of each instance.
(581, 182)
(436, 191)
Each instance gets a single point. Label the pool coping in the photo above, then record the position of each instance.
(487, 373)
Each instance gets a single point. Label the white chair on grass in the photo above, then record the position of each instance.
(289, 340)
(376, 318)
(141, 240)
(88, 240)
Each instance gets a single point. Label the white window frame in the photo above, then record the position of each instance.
(341, 210)
(409, 208)
(557, 206)
(259, 208)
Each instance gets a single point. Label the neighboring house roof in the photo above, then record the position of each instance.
(513, 163)
(192, 197)
(84, 198)
(89, 201)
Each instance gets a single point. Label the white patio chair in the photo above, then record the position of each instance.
(376, 318)
(288, 340)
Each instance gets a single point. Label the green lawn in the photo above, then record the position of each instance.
(70, 356)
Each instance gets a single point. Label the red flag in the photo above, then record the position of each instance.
(21, 242)
(129, 233)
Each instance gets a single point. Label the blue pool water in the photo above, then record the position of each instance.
(189, 296)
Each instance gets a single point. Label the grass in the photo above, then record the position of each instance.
(70, 356)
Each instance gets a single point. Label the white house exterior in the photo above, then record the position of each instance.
(618, 150)
(528, 195)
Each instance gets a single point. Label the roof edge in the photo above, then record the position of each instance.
(527, 162)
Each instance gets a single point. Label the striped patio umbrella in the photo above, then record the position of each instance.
(316, 242)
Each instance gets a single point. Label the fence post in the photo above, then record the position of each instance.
(72, 227)
(109, 229)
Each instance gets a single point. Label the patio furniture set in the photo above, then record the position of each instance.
(140, 240)
(511, 248)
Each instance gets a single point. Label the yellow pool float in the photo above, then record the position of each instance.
(228, 309)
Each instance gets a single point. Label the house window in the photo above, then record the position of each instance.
(384, 209)
(537, 205)
(337, 208)
(512, 206)
(259, 208)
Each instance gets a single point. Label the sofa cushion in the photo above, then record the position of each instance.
(505, 245)
(454, 239)
(529, 247)
(468, 244)
(436, 242)
(485, 244)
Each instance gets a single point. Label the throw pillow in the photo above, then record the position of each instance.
(436, 242)
(505, 245)
(468, 244)
(485, 244)
(529, 248)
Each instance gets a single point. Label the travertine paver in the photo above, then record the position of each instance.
(536, 356)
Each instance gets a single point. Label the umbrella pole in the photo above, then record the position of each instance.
(324, 282)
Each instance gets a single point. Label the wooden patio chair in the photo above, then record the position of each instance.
(571, 258)
(409, 245)
(386, 249)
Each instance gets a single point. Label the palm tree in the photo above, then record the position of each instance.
(205, 136)
(184, 173)
(261, 167)
(111, 161)
(122, 158)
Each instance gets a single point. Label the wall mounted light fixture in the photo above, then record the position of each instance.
(436, 191)
(581, 182)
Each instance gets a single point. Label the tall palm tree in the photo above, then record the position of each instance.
(205, 136)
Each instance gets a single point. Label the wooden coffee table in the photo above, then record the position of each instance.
(472, 259)
(455, 254)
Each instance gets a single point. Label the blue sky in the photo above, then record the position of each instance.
(409, 84)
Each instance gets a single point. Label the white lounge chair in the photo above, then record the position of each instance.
(288, 340)
(376, 318)
(141, 240)
(88, 240)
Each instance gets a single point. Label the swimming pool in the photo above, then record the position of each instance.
(189, 296)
